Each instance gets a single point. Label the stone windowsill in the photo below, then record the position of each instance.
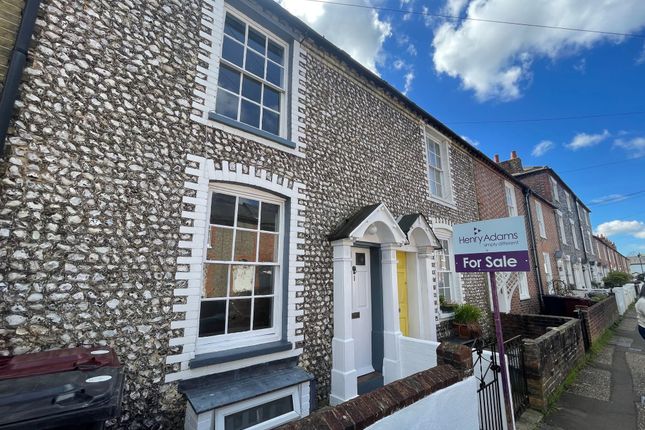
(247, 128)
(211, 358)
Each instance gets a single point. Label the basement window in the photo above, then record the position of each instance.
(260, 413)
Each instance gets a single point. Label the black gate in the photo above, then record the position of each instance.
(514, 349)
(486, 370)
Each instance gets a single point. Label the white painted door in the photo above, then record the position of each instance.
(362, 310)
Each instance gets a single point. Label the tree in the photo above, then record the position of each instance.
(616, 279)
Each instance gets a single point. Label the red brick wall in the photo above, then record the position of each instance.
(540, 183)
(600, 317)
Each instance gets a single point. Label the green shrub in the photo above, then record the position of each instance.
(616, 279)
(467, 314)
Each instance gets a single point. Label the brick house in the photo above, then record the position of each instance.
(609, 259)
(201, 185)
(500, 194)
(575, 258)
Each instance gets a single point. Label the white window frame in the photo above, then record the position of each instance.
(573, 233)
(509, 193)
(540, 218)
(523, 282)
(563, 233)
(253, 337)
(446, 174)
(444, 232)
(293, 391)
(554, 189)
(568, 197)
(548, 270)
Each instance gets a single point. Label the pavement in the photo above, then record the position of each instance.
(609, 393)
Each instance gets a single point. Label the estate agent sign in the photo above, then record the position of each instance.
(497, 245)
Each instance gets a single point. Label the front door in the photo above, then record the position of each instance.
(362, 310)
(402, 281)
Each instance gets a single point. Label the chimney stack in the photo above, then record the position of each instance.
(514, 165)
(513, 155)
(496, 158)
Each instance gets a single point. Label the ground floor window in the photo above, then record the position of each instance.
(448, 287)
(524, 286)
(263, 412)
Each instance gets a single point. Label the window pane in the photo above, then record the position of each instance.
(257, 41)
(268, 248)
(212, 318)
(447, 286)
(263, 313)
(234, 28)
(221, 244)
(250, 114)
(258, 414)
(226, 104)
(252, 89)
(247, 213)
(233, 51)
(276, 53)
(239, 315)
(215, 282)
(270, 214)
(254, 63)
(271, 122)
(264, 280)
(229, 79)
(222, 209)
(271, 99)
(241, 280)
(274, 74)
(245, 245)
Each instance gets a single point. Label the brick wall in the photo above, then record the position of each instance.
(367, 409)
(529, 326)
(600, 317)
(548, 360)
(564, 306)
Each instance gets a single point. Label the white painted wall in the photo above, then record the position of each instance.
(625, 296)
(417, 355)
(454, 407)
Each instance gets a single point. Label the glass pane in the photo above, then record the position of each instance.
(274, 74)
(276, 53)
(252, 89)
(223, 209)
(215, 282)
(247, 213)
(234, 28)
(254, 63)
(271, 122)
(264, 280)
(241, 280)
(268, 248)
(212, 318)
(258, 414)
(245, 245)
(221, 244)
(233, 51)
(226, 104)
(271, 99)
(229, 79)
(250, 114)
(239, 315)
(263, 313)
(270, 214)
(257, 41)
(446, 285)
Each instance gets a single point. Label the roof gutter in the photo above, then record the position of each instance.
(16, 67)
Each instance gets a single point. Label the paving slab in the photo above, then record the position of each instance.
(606, 356)
(623, 341)
(593, 383)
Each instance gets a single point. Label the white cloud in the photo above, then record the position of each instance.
(619, 227)
(585, 140)
(359, 32)
(494, 60)
(473, 142)
(581, 66)
(409, 77)
(635, 147)
(542, 148)
(611, 198)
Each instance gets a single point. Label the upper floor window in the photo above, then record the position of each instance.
(251, 85)
(540, 219)
(573, 233)
(563, 235)
(554, 190)
(568, 197)
(242, 269)
(438, 167)
(511, 203)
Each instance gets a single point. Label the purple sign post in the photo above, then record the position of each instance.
(497, 245)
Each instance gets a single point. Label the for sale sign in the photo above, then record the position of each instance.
(497, 245)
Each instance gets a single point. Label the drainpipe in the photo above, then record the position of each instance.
(536, 261)
(16, 67)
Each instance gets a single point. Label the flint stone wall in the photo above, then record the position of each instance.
(92, 187)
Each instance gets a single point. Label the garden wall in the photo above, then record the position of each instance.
(600, 317)
(529, 326)
(564, 306)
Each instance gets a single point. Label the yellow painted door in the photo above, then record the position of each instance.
(402, 280)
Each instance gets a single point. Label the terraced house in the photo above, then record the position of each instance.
(255, 222)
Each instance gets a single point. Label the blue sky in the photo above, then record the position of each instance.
(471, 74)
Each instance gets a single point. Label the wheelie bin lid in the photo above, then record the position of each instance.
(57, 360)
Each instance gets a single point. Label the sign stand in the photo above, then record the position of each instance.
(500, 346)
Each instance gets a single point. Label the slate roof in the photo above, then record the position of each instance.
(343, 230)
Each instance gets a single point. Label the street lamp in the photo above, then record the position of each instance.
(641, 262)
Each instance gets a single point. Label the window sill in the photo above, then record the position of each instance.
(252, 130)
(522, 298)
(449, 203)
(211, 358)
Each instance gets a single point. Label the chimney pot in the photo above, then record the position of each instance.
(496, 158)
(513, 155)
